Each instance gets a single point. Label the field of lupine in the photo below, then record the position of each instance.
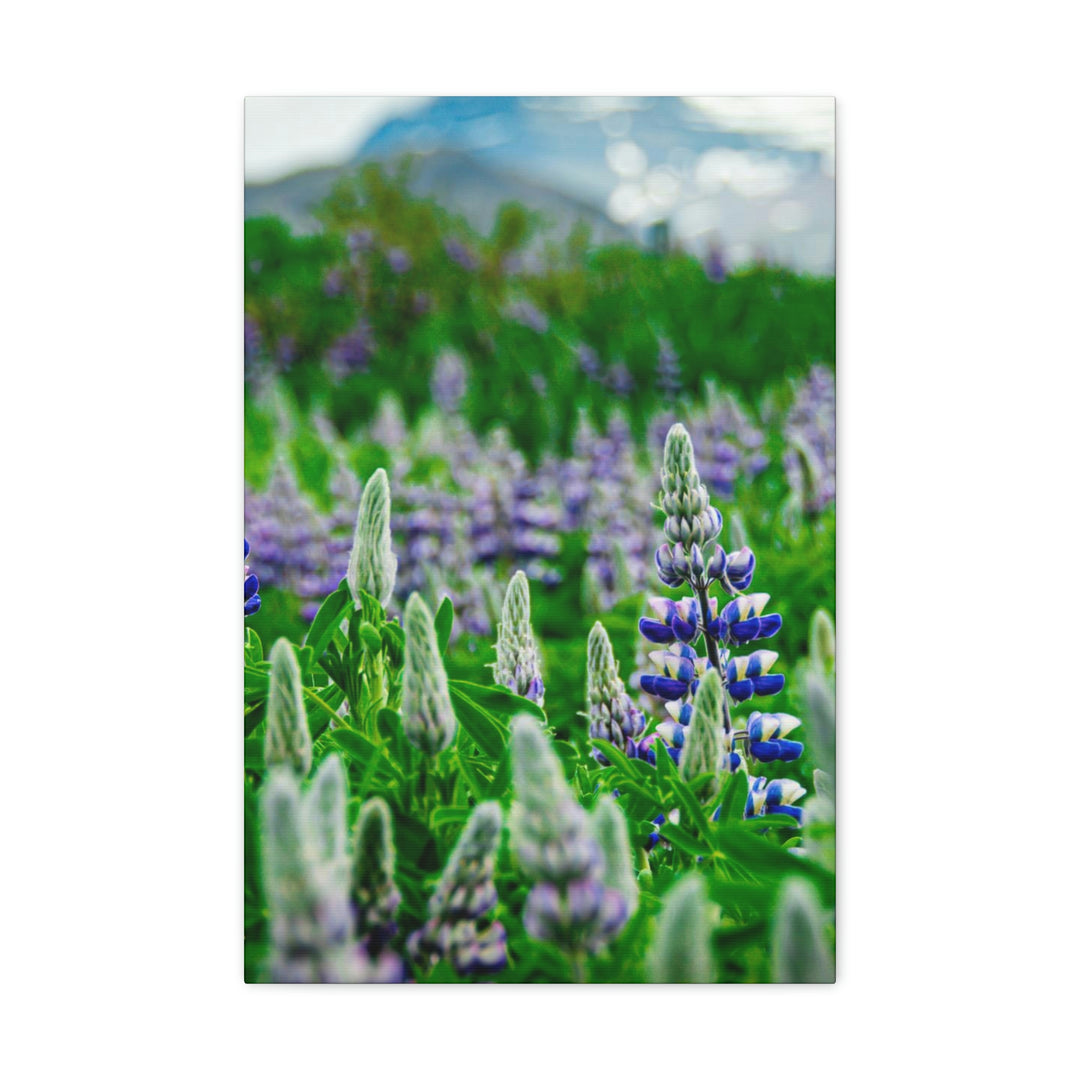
(539, 653)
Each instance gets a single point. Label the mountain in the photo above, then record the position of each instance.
(753, 175)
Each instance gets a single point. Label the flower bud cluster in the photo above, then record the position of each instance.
(306, 879)
(459, 925)
(427, 713)
(375, 896)
(572, 902)
(612, 715)
(517, 662)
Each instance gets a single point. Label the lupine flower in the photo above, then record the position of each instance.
(459, 922)
(668, 378)
(715, 269)
(374, 894)
(733, 572)
(426, 710)
(400, 260)
(528, 314)
(680, 668)
(252, 599)
(800, 946)
(360, 242)
(774, 797)
(372, 564)
(517, 663)
(811, 434)
(742, 621)
(681, 951)
(677, 619)
(620, 380)
(351, 353)
(288, 740)
(460, 253)
(306, 879)
(555, 845)
(749, 675)
(691, 521)
(589, 362)
(767, 734)
(448, 381)
(309, 919)
(333, 282)
(612, 715)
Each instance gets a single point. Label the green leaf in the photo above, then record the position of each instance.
(253, 651)
(498, 700)
(328, 619)
(370, 637)
(318, 719)
(486, 730)
(253, 755)
(450, 815)
(733, 800)
(444, 623)
(683, 840)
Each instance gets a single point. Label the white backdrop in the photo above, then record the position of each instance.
(122, 449)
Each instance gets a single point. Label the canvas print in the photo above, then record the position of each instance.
(539, 540)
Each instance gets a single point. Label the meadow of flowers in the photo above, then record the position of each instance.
(539, 579)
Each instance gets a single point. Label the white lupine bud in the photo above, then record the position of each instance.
(681, 951)
(288, 740)
(517, 663)
(609, 827)
(801, 949)
(705, 739)
(373, 889)
(372, 563)
(683, 497)
(823, 642)
(427, 713)
(612, 715)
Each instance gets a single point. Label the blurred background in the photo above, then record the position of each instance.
(506, 303)
(750, 177)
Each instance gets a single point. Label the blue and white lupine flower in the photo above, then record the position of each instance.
(679, 669)
(732, 572)
(774, 797)
(750, 675)
(517, 662)
(556, 845)
(612, 715)
(767, 734)
(742, 620)
(252, 599)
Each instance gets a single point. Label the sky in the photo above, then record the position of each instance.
(283, 135)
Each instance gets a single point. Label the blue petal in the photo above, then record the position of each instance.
(684, 631)
(659, 686)
(768, 684)
(656, 632)
(252, 605)
(741, 689)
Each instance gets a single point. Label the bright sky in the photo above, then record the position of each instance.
(285, 134)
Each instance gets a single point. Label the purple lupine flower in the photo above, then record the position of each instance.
(589, 362)
(399, 259)
(460, 253)
(715, 268)
(575, 901)
(252, 341)
(620, 380)
(810, 429)
(448, 381)
(360, 242)
(668, 374)
(333, 282)
(528, 314)
(351, 353)
(252, 600)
